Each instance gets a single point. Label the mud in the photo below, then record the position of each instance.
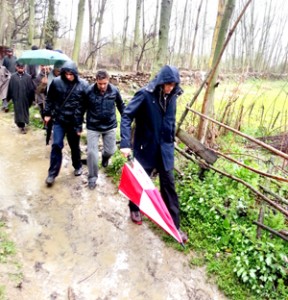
(78, 244)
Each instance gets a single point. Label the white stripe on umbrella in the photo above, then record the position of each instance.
(147, 205)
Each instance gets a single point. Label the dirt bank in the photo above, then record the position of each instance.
(78, 244)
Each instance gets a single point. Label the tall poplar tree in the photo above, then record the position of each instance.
(225, 9)
(165, 16)
(31, 22)
(51, 26)
(78, 34)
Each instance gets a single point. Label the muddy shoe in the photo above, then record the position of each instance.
(23, 130)
(136, 217)
(78, 172)
(50, 180)
(184, 236)
(92, 185)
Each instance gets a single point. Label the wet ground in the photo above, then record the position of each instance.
(78, 244)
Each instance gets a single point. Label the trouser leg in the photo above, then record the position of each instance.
(56, 150)
(92, 153)
(169, 195)
(109, 143)
(20, 124)
(41, 110)
(74, 142)
(5, 104)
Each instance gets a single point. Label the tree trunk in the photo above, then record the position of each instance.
(89, 60)
(3, 20)
(195, 35)
(101, 11)
(31, 22)
(51, 25)
(135, 45)
(155, 30)
(78, 34)
(225, 10)
(180, 54)
(202, 62)
(165, 15)
(124, 37)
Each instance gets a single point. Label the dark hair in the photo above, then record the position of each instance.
(102, 74)
(20, 64)
(34, 47)
(49, 46)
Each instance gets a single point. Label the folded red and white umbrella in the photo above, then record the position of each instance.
(136, 185)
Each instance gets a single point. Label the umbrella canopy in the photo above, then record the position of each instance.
(136, 185)
(42, 57)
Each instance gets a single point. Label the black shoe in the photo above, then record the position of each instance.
(136, 217)
(105, 161)
(91, 185)
(23, 130)
(78, 172)
(50, 180)
(184, 236)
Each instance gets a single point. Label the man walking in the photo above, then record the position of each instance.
(102, 98)
(65, 103)
(21, 91)
(4, 83)
(9, 61)
(154, 109)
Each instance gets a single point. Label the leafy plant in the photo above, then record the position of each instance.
(218, 213)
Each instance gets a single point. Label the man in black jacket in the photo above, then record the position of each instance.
(65, 103)
(101, 121)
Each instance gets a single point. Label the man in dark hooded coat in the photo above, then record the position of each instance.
(21, 91)
(154, 110)
(65, 103)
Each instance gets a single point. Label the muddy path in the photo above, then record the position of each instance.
(78, 244)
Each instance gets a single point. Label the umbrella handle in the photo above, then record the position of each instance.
(130, 160)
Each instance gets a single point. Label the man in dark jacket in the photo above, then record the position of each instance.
(65, 103)
(21, 91)
(102, 97)
(9, 61)
(154, 110)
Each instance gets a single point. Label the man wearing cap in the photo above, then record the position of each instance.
(9, 61)
(54, 73)
(21, 91)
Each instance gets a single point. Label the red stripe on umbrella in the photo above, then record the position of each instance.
(136, 185)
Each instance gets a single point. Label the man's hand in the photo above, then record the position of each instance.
(47, 119)
(126, 152)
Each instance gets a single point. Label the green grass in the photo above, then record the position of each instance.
(7, 257)
(265, 105)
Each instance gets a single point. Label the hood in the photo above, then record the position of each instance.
(69, 66)
(167, 74)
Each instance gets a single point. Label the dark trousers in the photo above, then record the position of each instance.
(73, 139)
(168, 193)
(20, 124)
